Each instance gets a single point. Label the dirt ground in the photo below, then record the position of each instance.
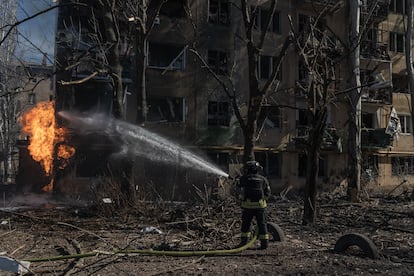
(52, 228)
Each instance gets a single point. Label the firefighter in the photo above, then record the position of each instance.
(254, 191)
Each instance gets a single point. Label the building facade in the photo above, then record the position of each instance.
(190, 40)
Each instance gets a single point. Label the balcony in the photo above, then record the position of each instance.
(375, 139)
(330, 140)
(382, 95)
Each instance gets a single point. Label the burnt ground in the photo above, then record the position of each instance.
(53, 229)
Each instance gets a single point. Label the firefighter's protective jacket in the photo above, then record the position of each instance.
(255, 190)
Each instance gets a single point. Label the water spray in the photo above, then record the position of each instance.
(137, 141)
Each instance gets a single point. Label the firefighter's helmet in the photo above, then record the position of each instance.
(252, 167)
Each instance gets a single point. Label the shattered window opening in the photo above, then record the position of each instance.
(219, 12)
(217, 61)
(218, 114)
(270, 116)
(397, 6)
(265, 68)
(397, 42)
(303, 71)
(367, 120)
(166, 109)
(31, 98)
(271, 163)
(166, 56)
(261, 20)
(403, 165)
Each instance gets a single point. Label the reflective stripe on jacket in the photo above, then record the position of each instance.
(247, 204)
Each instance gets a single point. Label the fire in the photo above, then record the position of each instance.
(40, 124)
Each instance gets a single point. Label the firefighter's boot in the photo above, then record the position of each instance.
(264, 244)
(243, 241)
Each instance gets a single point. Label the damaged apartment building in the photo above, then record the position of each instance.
(186, 104)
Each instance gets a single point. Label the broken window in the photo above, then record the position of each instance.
(31, 98)
(397, 42)
(166, 110)
(302, 127)
(174, 8)
(96, 95)
(303, 71)
(261, 20)
(265, 68)
(400, 83)
(402, 165)
(219, 12)
(369, 166)
(367, 120)
(271, 163)
(166, 56)
(405, 121)
(218, 113)
(397, 6)
(217, 60)
(302, 165)
(270, 117)
(307, 23)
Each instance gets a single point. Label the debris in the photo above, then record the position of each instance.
(12, 265)
(107, 200)
(151, 229)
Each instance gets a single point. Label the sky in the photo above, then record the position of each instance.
(37, 35)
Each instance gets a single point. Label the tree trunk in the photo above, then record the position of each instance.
(141, 67)
(312, 166)
(409, 56)
(255, 102)
(354, 145)
(112, 38)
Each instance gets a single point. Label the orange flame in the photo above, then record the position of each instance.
(40, 124)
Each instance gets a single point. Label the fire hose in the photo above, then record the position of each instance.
(149, 252)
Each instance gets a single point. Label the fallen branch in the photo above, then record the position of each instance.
(5, 234)
(83, 230)
(183, 221)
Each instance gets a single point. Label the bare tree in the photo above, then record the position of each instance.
(256, 92)
(142, 15)
(9, 93)
(354, 144)
(321, 54)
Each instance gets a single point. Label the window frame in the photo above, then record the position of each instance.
(397, 42)
(221, 116)
(405, 121)
(261, 19)
(180, 102)
(394, 7)
(402, 165)
(170, 66)
(276, 119)
(217, 19)
(271, 61)
(219, 67)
